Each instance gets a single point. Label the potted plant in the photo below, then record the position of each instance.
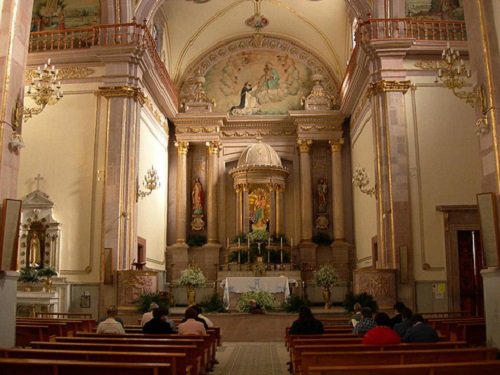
(263, 299)
(326, 277)
(191, 278)
(28, 275)
(47, 273)
(145, 299)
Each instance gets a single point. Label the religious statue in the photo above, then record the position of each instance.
(34, 251)
(259, 210)
(322, 192)
(197, 197)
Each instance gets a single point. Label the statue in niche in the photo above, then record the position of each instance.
(322, 193)
(259, 210)
(197, 197)
(34, 251)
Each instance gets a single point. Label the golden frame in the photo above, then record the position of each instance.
(490, 239)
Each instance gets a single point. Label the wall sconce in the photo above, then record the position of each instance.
(361, 180)
(44, 89)
(151, 182)
(16, 140)
(482, 124)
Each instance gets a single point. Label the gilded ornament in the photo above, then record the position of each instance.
(336, 145)
(388, 86)
(182, 147)
(304, 145)
(122, 91)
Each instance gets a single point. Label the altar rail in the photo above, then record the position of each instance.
(411, 28)
(127, 34)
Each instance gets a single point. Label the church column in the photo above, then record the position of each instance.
(337, 190)
(181, 206)
(305, 189)
(239, 207)
(279, 209)
(212, 179)
(245, 214)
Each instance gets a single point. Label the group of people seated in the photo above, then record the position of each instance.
(157, 321)
(381, 329)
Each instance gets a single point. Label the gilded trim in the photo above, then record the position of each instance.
(304, 145)
(388, 86)
(182, 147)
(214, 147)
(122, 91)
(336, 144)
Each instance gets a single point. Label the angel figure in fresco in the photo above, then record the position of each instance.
(197, 197)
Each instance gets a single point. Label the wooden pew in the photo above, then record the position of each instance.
(27, 333)
(340, 336)
(54, 328)
(73, 324)
(458, 368)
(473, 333)
(445, 314)
(57, 315)
(355, 358)
(22, 366)
(178, 361)
(191, 351)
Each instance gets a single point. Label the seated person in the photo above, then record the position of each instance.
(208, 322)
(398, 309)
(306, 324)
(255, 308)
(190, 326)
(158, 324)
(197, 318)
(356, 314)
(110, 325)
(382, 334)
(401, 328)
(420, 331)
(148, 315)
(117, 318)
(366, 323)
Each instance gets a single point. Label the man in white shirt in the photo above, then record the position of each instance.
(110, 325)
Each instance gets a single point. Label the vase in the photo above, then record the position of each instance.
(191, 295)
(327, 295)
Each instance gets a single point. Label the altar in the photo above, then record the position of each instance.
(235, 286)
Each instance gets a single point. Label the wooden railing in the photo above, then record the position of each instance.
(122, 35)
(411, 28)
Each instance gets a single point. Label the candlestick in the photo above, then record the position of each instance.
(248, 242)
(281, 256)
(239, 256)
(227, 242)
(291, 242)
(281, 243)
(268, 241)
(239, 243)
(248, 256)
(268, 256)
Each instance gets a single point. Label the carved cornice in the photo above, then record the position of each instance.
(214, 147)
(182, 147)
(258, 132)
(336, 144)
(68, 72)
(122, 91)
(197, 130)
(156, 113)
(304, 145)
(388, 86)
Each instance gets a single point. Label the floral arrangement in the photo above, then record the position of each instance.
(192, 276)
(47, 272)
(326, 276)
(28, 275)
(265, 300)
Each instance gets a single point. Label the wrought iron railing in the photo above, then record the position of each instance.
(411, 28)
(128, 34)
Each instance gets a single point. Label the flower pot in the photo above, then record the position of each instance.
(327, 295)
(191, 295)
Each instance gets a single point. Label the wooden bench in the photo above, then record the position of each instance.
(30, 332)
(73, 324)
(23, 366)
(191, 351)
(310, 359)
(458, 368)
(473, 333)
(294, 338)
(54, 328)
(57, 315)
(178, 361)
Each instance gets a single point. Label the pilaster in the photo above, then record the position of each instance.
(338, 190)
(181, 206)
(212, 181)
(305, 189)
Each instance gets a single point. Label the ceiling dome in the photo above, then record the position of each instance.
(259, 154)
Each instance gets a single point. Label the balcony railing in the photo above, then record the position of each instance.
(128, 34)
(411, 28)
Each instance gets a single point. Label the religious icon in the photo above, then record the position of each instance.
(260, 209)
(34, 251)
(197, 197)
(322, 192)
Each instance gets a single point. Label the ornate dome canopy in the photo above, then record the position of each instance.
(259, 154)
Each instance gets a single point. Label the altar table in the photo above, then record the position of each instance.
(238, 285)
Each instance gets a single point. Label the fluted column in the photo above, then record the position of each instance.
(279, 209)
(305, 189)
(239, 211)
(337, 191)
(245, 214)
(212, 179)
(181, 207)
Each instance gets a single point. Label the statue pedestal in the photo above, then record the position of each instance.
(380, 283)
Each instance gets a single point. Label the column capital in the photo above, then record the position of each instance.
(122, 92)
(182, 147)
(382, 86)
(336, 144)
(214, 147)
(304, 145)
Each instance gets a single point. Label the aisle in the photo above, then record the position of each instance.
(252, 358)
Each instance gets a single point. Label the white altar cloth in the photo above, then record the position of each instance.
(247, 284)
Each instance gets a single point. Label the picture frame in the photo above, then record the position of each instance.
(9, 233)
(490, 239)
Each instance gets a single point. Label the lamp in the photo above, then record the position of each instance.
(16, 140)
(452, 73)
(360, 180)
(151, 182)
(44, 89)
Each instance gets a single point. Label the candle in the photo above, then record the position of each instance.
(281, 243)
(239, 256)
(239, 244)
(281, 256)
(227, 242)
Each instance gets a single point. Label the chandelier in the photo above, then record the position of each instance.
(44, 88)
(151, 182)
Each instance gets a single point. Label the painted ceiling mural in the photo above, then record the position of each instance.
(65, 14)
(436, 9)
(245, 79)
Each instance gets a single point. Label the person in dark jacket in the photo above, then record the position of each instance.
(397, 318)
(158, 324)
(306, 324)
(402, 327)
(420, 331)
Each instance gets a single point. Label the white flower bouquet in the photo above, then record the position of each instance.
(191, 277)
(326, 276)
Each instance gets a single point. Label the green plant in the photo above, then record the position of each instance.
(145, 299)
(322, 238)
(293, 303)
(364, 299)
(196, 240)
(192, 277)
(213, 303)
(264, 299)
(326, 276)
(47, 272)
(28, 275)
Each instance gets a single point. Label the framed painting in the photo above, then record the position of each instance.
(488, 214)
(9, 233)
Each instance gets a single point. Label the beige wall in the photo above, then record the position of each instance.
(152, 210)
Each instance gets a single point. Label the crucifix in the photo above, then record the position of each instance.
(38, 178)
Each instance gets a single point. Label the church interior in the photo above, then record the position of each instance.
(250, 138)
